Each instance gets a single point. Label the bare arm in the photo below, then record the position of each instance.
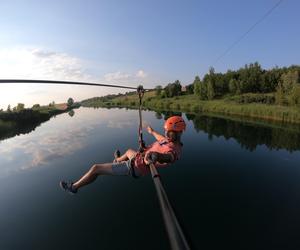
(157, 136)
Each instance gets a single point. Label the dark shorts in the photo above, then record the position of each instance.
(124, 168)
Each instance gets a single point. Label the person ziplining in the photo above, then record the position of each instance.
(165, 150)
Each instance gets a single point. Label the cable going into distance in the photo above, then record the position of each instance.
(247, 32)
(24, 81)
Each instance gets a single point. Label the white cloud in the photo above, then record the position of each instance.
(141, 74)
(38, 63)
(119, 76)
(116, 76)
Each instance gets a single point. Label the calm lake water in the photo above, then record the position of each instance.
(237, 185)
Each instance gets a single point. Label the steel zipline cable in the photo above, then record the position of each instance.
(174, 231)
(25, 81)
(247, 32)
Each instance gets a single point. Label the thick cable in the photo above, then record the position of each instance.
(25, 81)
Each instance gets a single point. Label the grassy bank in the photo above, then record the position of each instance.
(192, 104)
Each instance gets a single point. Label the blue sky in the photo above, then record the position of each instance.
(131, 42)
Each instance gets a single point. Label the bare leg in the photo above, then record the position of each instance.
(92, 174)
(130, 153)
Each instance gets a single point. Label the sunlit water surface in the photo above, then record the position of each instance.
(237, 186)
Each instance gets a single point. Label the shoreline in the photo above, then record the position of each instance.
(14, 123)
(189, 104)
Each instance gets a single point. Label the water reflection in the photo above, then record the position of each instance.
(218, 195)
(158, 115)
(51, 142)
(71, 113)
(120, 124)
(58, 138)
(249, 135)
(40, 149)
(10, 129)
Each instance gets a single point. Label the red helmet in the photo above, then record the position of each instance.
(175, 123)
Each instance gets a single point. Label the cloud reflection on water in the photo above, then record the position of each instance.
(58, 138)
(55, 146)
(119, 124)
(42, 149)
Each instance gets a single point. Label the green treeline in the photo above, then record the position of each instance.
(275, 86)
(250, 91)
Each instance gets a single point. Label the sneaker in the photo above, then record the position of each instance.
(117, 154)
(68, 187)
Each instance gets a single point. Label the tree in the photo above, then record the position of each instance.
(250, 77)
(190, 89)
(70, 102)
(158, 115)
(203, 91)
(279, 95)
(200, 88)
(211, 90)
(289, 80)
(294, 98)
(167, 90)
(287, 91)
(8, 108)
(270, 80)
(20, 107)
(36, 106)
(221, 84)
(173, 89)
(176, 88)
(52, 104)
(238, 88)
(234, 87)
(158, 90)
(71, 113)
(196, 84)
(211, 87)
(163, 94)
